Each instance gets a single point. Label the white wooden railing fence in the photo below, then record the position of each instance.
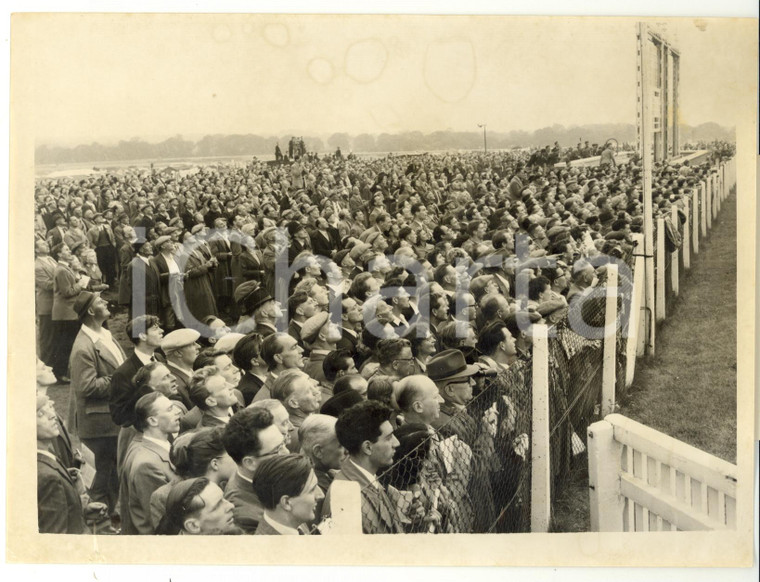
(643, 480)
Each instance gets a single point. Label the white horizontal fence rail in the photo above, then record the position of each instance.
(643, 480)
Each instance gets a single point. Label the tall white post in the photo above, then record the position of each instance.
(674, 254)
(604, 458)
(647, 162)
(540, 489)
(345, 508)
(709, 195)
(610, 341)
(686, 248)
(636, 339)
(703, 207)
(695, 219)
(660, 287)
(716, 196)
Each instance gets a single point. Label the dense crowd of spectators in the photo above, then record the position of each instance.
(243, 393)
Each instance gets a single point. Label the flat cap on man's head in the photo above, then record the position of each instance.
(161, 240)
(311, 327)
(179, 339)
(358, 250)
(228, 341)
(244, 289)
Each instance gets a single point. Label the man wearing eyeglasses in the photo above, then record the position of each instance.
(473, 435)
(250, 437)
(395, 358)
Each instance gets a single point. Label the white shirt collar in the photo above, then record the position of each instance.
(95, 336)
(180, 368)
(163, 444)
(48, 454)
(281, 528)
(143, 358)
(243, 477)
(225, 419)
(145, 260)
(372, 478)
(104, 336)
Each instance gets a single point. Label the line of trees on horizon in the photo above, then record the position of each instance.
(220, 145)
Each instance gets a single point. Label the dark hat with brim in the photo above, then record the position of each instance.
(449, 365)
(83, 302)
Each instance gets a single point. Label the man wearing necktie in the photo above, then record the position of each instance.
(95, 357)
(366, 433)
(102, 239)
(44, 275)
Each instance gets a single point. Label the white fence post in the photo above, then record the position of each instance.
(345, 508)
(636, 330)
(703, 207)
(660, 282)
(540, 489)
(604, 455)
(675, 253)
(610, 341)
(695, 219)
(686, 248)
(709, 212)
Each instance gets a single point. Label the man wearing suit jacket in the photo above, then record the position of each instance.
(59, 505)
(366, 433)
(169, 276)
(325, 239)
(250, 437)
(44, 276)
(147, 466)
(181, 348)
(213, 395)
(247, 357)
(56, 234)
(352, 319)
(65, 320)
(143, 273)
(102, 239)
(146, 333)
(94, 358)
(289, 492)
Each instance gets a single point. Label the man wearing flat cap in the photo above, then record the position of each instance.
(169, 275)
(181, 348)
(95, 356)
(321, 336)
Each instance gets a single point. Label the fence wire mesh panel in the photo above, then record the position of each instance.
(469, 474)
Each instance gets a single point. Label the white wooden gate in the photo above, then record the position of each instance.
(643, 480)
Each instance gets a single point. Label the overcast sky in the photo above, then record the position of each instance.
(102, 78)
